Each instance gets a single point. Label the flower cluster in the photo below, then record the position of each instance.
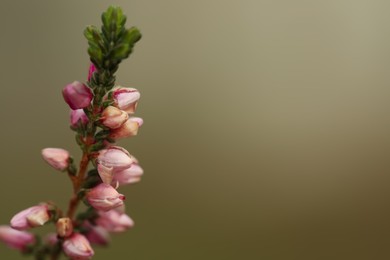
(100, 114)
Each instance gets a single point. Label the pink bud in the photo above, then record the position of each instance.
(64, 227)
(32, 217)
(129, 175)
(77, 247)
(104, 197)
(57, 158)
(92, 69)
(113, 117)
(105, 173)
(126, 99)
(139, 120)
(16, 239)
(115, 157)
(77, 95)
(121, 209)
(114, 221)
(78, 115)
(128, 129)
(97, 235)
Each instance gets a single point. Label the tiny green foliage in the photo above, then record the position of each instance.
(113, 43)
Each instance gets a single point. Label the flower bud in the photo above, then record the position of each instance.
(113, 117)
(92, 69)
(115, 157)
(126, 99)
(78, 115)
(97, 235)
(104, 197)
(121, 209)
(57, 158)
(129, 175)
(64, 227)
(32, 217)
(105, 173)
(77, 95)
(16, 239)
(77, 247)
(128, 129)
(114, 221)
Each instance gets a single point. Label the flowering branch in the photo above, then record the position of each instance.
(100, 115)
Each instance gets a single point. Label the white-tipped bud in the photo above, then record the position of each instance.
(113, 117)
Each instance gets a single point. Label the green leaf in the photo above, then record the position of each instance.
(121, 51)
(97, 146)
(91, 182)
(93, 172)
(106, 17)
(79, 140)
(81, 194)
(113, 23)
(96, 54)
(72, 169)
(102, 134)
(110, 140)
(131, 36)
(121, 18)
(89, 214)
(108, 47)
(92, 34)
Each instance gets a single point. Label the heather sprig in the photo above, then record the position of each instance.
(100, 113)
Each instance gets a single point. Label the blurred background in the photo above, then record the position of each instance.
(267, 124)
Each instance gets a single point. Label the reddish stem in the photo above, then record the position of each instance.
(79, 179)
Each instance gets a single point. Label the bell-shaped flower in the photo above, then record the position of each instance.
(113, 117)
(115, 157)
(128, 129)
(129, 175)
(77, 247)
(77, 95)
(57, 158)
(104, 197)
(114, 221)
(105, 173)
(16, 239)
(77, 116)
(64, 227)
(32, 217)
(126, 99)
(97, 235)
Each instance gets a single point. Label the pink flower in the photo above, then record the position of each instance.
(16, 239)
(64, 227)
(77, 95)
(32, 217)
(92, 69)
(97, 235)
(104, 197)
(77, 247)
(113, 117)
(57, 158)
(114, 221)
(129, 175)
(105, 173)
(78, 115)
(115, 157)
(126, 99)
(128, 129)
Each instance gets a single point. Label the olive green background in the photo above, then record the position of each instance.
(267, 124)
